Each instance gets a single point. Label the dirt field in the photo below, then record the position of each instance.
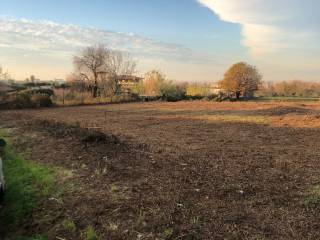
(186, 170)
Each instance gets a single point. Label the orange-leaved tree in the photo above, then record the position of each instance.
(241, 79)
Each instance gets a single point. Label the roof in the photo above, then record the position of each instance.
(129, 78)
(5, 88)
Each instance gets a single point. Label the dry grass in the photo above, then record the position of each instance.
(67, 97)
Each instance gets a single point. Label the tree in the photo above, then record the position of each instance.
(90, 63)
(118, 64)
(4, 75)
(139, 88)
(98, 64)
(153, 82)
(241, 79)
(32, 79)
(75, 83)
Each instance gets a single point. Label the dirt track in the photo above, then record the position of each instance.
(188, 170)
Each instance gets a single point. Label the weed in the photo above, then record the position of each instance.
(113, 226)
(168, 232)
(69, 225)
(141, 221)
(195, 221)
(91, 234)
(114, 188)
(313, 199)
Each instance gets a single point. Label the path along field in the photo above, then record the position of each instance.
(186, 170)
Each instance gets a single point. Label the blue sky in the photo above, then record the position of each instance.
(166, 20)
(189, 40)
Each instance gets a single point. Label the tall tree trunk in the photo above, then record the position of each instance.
(237, 94)
(95, 87)
(95, 91)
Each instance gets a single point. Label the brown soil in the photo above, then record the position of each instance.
(187, 170)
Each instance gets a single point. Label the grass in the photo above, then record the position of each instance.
(26, 183)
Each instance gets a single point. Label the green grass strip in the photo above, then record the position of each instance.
(26, 183)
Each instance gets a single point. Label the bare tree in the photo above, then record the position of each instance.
(32, 78)
(4, 75)
(118, 64)
(90, 63)
(99, 65)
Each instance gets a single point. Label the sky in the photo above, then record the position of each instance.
(188, 40)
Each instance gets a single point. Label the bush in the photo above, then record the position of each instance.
(48, 92)
(22, 100)
(25, 99)
(194, 97)
(172, 93)
(41, 100)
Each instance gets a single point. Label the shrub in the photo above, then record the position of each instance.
(195, 97)
(41, 100)
(26, 99)
(22, 100)
(48, 92)
(172, 93)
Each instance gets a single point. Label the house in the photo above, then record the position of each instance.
(127, 83)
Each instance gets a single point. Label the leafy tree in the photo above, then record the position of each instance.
(241, 79)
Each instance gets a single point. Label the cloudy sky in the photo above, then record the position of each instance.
(189, 40)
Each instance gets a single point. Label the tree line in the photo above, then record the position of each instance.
(99, 68)
(294, 88)
(98, 72)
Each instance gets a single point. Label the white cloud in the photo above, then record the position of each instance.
(274, 25)
(49, 37)
(43, 45)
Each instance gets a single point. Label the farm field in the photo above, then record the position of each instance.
(185, 170)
